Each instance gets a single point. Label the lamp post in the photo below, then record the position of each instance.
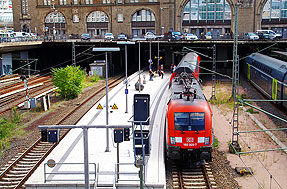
(126, 68)
(139, 67)
(106, 50)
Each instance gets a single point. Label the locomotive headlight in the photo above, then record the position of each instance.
(172, 140)
(206, 140)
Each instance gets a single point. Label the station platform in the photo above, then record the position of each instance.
(69, 153)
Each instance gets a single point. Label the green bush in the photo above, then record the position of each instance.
(8, 127)
(95, 78)
(69, 80)
(215, 143)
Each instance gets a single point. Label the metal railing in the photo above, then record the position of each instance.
(70, 172)
(131, 173)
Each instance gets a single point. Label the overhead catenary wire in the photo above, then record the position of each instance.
(260, 163)
(246, 166)
(189, 49)
(249, 147)
(70, 60)
(260, 50)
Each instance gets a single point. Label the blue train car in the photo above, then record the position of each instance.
(269, 75)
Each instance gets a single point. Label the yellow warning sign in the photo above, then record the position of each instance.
(114, 106)
(99, 106)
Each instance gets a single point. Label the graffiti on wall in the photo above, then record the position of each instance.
(7, 69)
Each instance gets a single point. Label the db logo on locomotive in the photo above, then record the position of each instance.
(189, 139)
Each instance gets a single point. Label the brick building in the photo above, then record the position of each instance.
(136, 17)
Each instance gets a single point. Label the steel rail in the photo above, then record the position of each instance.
(206, 178)
(30, 172)
(17, 104)
(20, 85)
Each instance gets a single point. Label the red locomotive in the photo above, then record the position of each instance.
(189, 119)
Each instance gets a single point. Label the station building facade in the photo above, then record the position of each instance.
(136, 17)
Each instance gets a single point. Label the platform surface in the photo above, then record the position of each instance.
(69, 154)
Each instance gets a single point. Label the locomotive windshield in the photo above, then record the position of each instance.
(189, 121)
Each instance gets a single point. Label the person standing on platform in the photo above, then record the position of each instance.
(161, 71)
(151, 74)
(173, 70)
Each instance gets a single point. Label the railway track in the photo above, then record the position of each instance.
(20, 84)
(193, 177)
(8, 102)
(17, 173)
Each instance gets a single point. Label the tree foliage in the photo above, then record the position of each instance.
(69, 80)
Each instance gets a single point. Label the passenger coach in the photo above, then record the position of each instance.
(269, 75)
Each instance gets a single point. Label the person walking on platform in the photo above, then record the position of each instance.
(161, 71)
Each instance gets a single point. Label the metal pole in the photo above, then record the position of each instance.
(141, 176)
(86, 157)
(29, 70)
(27, 92)
(150, 50)
(139, 67)
(158, 55)
(118, 160)
(126, 63)
(107, 105)
(73, 54)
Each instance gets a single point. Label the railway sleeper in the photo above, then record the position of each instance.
(12, 175)
(25, 165)
(195, 183)
(213, 183)
(33, 156)
(11, 186)
(30, 159)
(175, 179)
(11, 179)
(39, 151)
(192, 173)
(18, 172)
(175, 184)
(28, 162)
(42, 147)
(192, 179)
(5, 183)
(21, 168)
(194, 187)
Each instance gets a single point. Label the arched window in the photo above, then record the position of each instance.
(143, 16)
(97, 16)
(97, 23)
(56, 17)
(142, 21)
(206, 10)
(201, 16)
(55, 22)
(274, 16)
(275, 9)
